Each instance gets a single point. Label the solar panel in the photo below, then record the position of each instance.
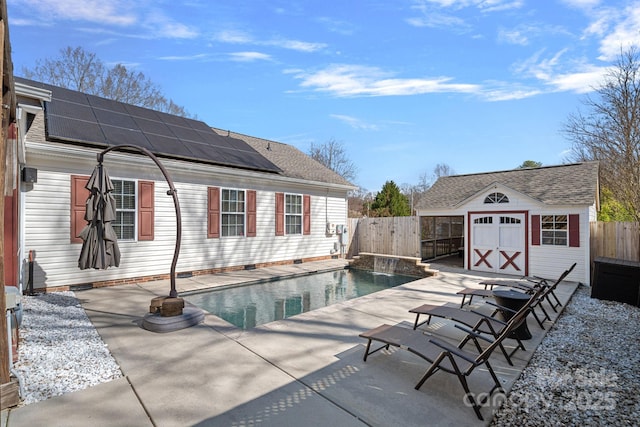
(107, 117)
(76, 117)
(74, 130)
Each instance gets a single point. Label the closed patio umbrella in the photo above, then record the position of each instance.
(100, 243)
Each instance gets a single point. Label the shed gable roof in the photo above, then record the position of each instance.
(77, 118)
(571, 184)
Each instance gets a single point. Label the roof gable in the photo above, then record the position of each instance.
(571, 184)
(77, 118)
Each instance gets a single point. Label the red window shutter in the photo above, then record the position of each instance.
(535, 230)
(306, 214)
(79, 196)
(251, 213)
(279, 214)
(146, 207)
(574, 231)
(213, 213)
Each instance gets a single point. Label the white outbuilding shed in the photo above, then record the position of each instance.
(530, 221)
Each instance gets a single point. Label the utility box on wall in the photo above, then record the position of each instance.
(616, 280)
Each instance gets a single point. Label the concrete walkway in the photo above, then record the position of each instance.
(306, 370)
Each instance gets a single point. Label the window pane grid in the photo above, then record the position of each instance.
(232, 210)
(554, 230)
(293, 214)
(124, 193)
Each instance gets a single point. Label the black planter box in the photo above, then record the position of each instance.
(616, 280)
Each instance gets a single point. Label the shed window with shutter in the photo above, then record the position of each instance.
(554, 230)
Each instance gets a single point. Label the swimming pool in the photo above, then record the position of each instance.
(249, 306)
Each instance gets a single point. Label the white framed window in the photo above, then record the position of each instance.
(496, 198)
(293, 213)
(125, 195)
(554, 230)
(232, 211)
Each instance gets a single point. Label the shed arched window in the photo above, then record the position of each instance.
(496, 198)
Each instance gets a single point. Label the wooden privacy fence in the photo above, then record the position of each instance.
(401, 236)
(389, 235)
(619, 240)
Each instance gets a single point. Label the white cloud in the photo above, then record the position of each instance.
(114, 12)
(294, 45)
(482, 5)
(582, 4)
(354, 122)
(438, 20)
(184, 57)
(241, 37)
(625, 33)
(104, 15)
(562, 75)
(513, 36)
(345, 80)
(233, 36)
(249, 56)
(579, 81)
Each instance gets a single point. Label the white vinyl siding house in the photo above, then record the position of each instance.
(522, 222)
(244, 214)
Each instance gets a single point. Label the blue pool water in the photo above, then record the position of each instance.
(249, 306)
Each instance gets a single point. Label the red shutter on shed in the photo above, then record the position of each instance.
(146, 210)
(79, 196)
(213, 213)
(574, 231)
(306, 214)
(535, 230)
(279, 214)
(251, 213)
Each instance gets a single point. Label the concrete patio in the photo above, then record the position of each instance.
(306, 370)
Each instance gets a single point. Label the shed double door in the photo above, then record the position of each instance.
(498, 242)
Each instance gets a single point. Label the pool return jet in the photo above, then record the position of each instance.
(100, 247)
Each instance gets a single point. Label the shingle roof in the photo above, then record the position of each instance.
(292, 162)
(570, 184)
(77, 118)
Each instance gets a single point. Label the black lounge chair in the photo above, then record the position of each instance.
(444, 356)
(527, 284)
(549, 291)
(477, 321)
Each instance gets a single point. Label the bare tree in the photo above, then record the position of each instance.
(332, 155)
(80, 70)
(440, 170)
(610, 131)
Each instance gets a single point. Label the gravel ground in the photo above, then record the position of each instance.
(585, 372)
(60, 351)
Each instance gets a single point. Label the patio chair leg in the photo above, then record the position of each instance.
(367, 352)
(474, 403)
(553, 294)
(551, 304)
(432, 369)
(540, 322)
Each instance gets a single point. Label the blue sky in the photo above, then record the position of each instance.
(480, 85)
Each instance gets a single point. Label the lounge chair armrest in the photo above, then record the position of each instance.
(472, 333)
(501, 307)
(452, 349)
(489, 318)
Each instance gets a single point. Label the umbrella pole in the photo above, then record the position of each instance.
(173, 193)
